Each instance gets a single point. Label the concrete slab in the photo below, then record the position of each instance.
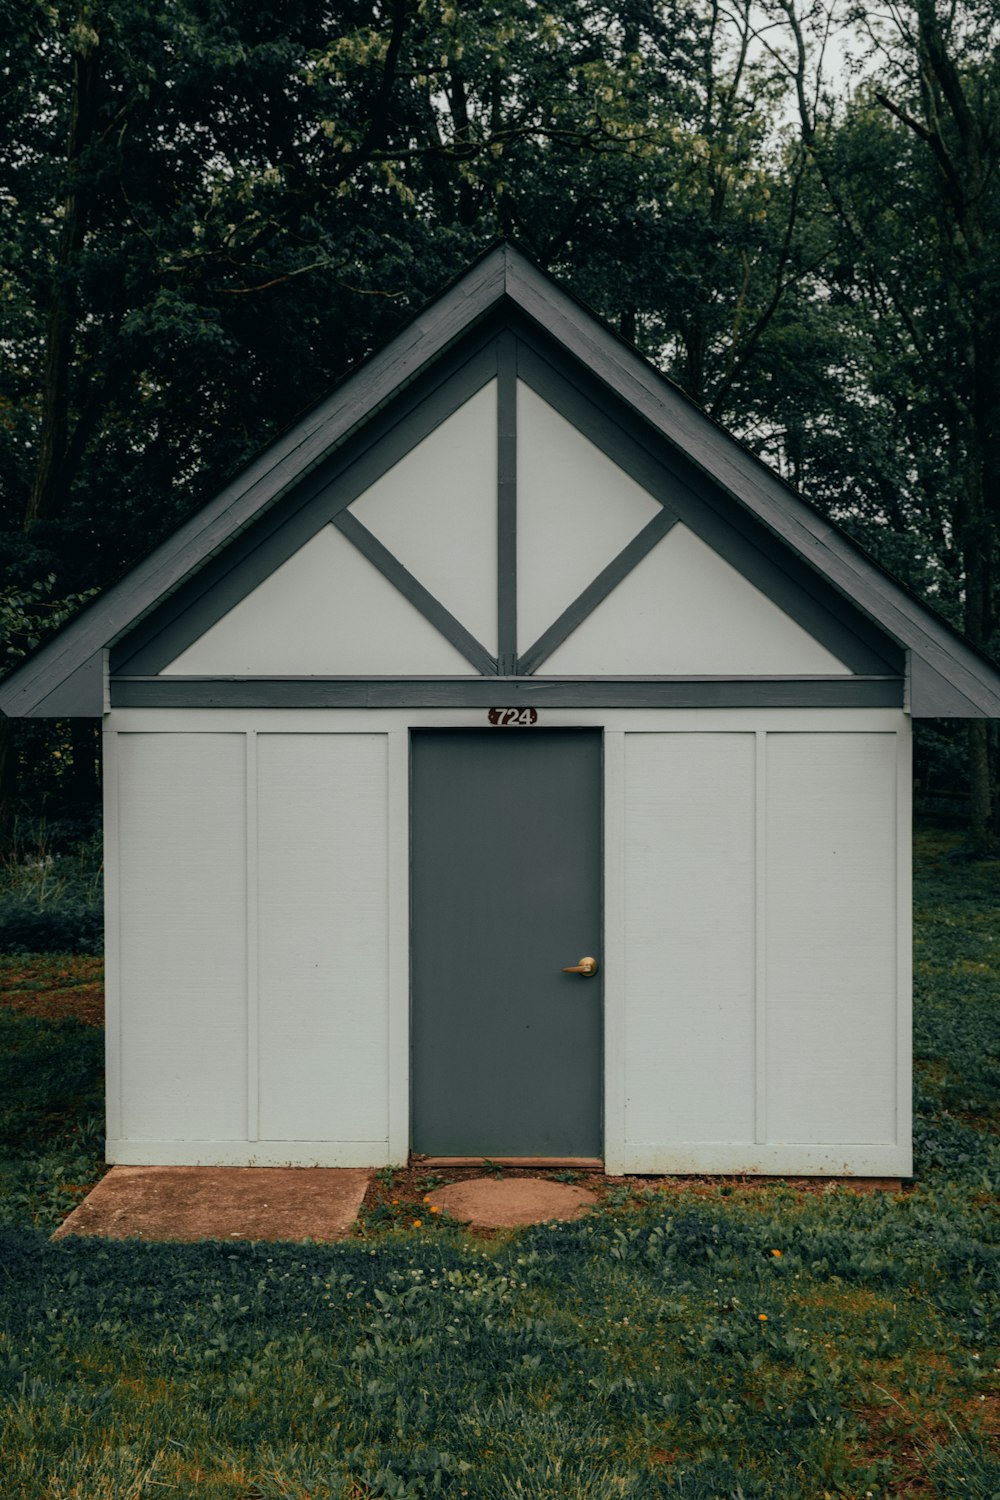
(221, 1203)
(503, 1203)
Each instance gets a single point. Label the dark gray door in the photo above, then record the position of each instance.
(506, 891)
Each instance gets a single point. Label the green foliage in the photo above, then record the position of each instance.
(748, 1340)
(48, 1071)
(51, 1116)
(28, 615)
(52, 902)
(265, 195)
(259, 196)
(956, 1032)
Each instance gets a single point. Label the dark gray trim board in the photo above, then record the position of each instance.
(503, 290)
(78, 695)
(507, 503)
(506, 692)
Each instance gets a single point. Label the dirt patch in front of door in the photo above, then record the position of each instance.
(507, 1203)
(405, 1195)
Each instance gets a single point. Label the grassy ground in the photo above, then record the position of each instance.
(713, 1340)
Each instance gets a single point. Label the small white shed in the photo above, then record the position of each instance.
(505, 659)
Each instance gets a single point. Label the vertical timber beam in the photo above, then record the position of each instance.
(506, 505)
(760, 939)
(253, 947)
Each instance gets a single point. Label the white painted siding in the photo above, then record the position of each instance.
(689, 937)
(436, 512)
(182, 902)
(831, 947)
(685, 610)
(323, 936)
(756, 977)
(576, 510)
(761, 993)
(327, 611)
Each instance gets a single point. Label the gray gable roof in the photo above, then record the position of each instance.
(945, 675)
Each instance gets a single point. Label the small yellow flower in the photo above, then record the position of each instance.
(776, 1254)
(435, 1209)
(395, 1202)
(426, 1198)
(762, 1317)
(417, 1223)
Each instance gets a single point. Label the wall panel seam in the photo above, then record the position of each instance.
(760, 936)
(904, 939)
(615, 955)
(112, 928)
(252, 944)
(398, 938)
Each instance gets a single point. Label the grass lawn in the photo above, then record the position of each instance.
(718, 1339)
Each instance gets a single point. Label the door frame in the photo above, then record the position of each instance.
(602, 1081)
(399, 725)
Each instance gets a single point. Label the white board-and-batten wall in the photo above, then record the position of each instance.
(756, 887)
(756, 945)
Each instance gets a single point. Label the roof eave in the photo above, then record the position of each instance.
(947, 677)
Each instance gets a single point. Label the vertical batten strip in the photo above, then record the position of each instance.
(398, 896)
(112, 935)
(506, 505)
(252, 953)
(760, 937)
(614, 958)
(904, 941)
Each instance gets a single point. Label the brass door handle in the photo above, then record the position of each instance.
(586, 967)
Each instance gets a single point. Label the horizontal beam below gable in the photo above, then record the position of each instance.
(506, 692)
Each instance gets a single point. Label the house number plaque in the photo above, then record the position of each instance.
(517, 716)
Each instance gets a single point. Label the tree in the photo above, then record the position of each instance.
(215, 209)
(911, 169)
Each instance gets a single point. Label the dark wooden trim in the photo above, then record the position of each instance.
(507, 503)
(596, 592)
(81, 695)
(412, 589)
(506, 692)
(325, 494)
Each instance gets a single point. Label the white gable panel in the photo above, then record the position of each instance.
(326, 612)
(831, 937)
(576, 510)
(689, 938)
(684, 610)
(436, 512)
(182, 945)
(322, 936)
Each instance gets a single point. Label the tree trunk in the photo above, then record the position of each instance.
(981, 839)
(85, 777)
(8, 786)
(51, 480)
